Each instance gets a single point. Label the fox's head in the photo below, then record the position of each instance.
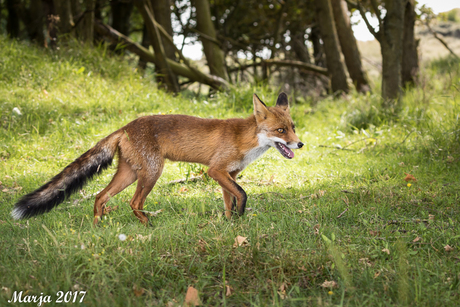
(275, 126)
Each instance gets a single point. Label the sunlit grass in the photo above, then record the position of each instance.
(72, 98)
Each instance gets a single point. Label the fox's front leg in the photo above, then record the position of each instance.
(230, 190)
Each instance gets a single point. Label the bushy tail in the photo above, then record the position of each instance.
(70, 180)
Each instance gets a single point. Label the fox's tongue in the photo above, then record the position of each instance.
(286, 152)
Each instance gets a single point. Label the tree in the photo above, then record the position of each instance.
(12, 22)
(161, 60)
(335, 65)
(121, 12)
(390, 36)
(87, 28)
(212, 51)
(409, 63)
(64, 11)
(349, 46)
(162, 11)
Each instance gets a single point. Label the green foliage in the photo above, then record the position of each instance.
(452, 15)
(390, 245)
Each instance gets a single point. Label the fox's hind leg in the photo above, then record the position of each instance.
(124, 177)
(147, 177)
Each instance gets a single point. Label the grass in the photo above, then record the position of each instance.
(390, 245)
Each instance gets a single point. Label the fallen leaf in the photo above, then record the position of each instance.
(409, 177)
(431, 217)
(240, 241)
(365, 261)
(282, 291)
(138, 291)
(109, 209)
(45, 92)
(229, 290)
(202, 244)
(386, 250)
(416, 239)
(448, 248)
(154, 213)
(377, 274)
(374, 233)
(450, 159)
(5, 190)
(183, 190)
(329, 284)
(316, 228)
(192, 298)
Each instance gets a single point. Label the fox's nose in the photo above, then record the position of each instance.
(300, 144)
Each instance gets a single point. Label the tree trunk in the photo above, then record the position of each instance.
(64, 11)
(299, 47)
(212, 51)
(318, 52)
(165, 70)
(391, 49)
(410, 64)
(87, 29)
(12, 22)
(349, 46)
(162, 11)
(121, 12)
(335, 65)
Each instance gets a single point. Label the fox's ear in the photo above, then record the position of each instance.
(260, 109)
(283, 102)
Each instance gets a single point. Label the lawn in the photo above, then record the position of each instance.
(366, 214)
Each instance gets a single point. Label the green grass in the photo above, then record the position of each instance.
(387, 249)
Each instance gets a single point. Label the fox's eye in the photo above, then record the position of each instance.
(281, 130)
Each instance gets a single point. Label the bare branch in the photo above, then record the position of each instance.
(360, 8)
(440, 40)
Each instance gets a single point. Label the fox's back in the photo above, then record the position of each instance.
(191, 139)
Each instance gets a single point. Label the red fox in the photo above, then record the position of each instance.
(143, 145)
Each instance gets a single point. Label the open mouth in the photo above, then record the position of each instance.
(286, 152)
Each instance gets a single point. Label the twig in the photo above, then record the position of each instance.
(440, 40)
(346, 201)
(340, 215)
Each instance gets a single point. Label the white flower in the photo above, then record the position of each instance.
(122, 237)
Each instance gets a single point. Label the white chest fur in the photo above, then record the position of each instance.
(251, 155)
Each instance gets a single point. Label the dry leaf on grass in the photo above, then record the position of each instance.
(448, 248)
(138, 291)
(282, 291)
(241, 241)
(386, 250)
(228, 290)
(409, 177)
(416, 239)
(192, 298)
(316, 228)
(431, 217)
(329, 284)
(202, 245)
(155, 213)
(109, 209)
(183, 190)
(374, 233)
(377, 274)
(365, 261)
